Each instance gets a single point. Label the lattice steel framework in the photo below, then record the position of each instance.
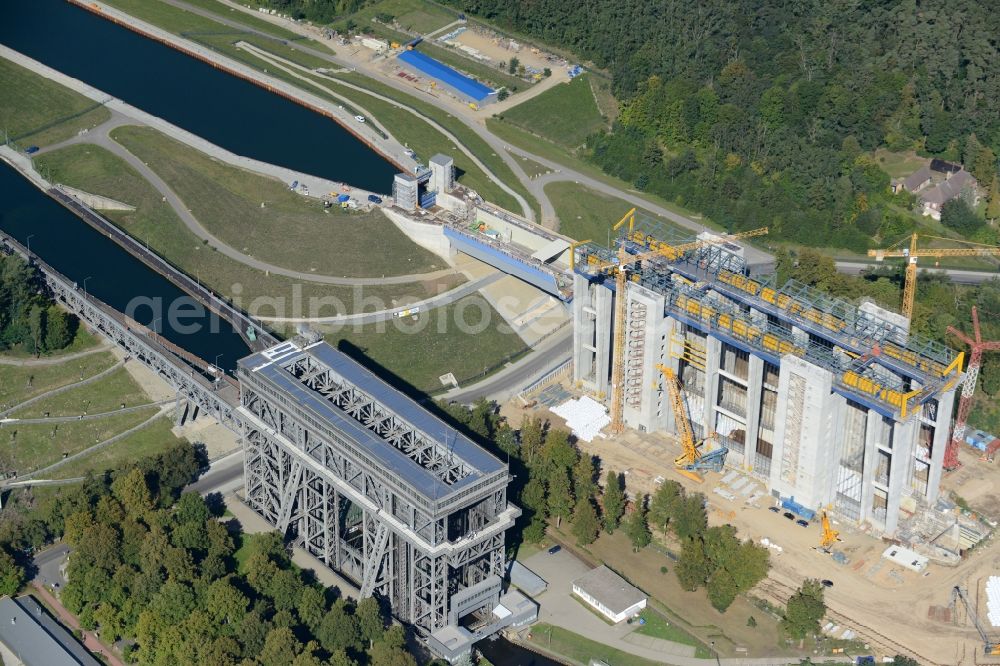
(421, 535)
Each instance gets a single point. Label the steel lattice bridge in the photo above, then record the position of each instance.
(372, 484)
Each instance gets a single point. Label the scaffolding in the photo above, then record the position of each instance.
(872, 360)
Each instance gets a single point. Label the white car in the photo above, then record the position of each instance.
(360, 119)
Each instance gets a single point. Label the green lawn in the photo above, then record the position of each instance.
(153, 222)
(148, 441)
(25, 447)
(291, 231)
(420, 350)
(657, 626)
(899, 165)
(566, 113)
(531, 167)
(549, 150)
(105, 395)
(588, 215)
(20, 383)
(579, 649)
(247, 19)
(41, 112)
(416, 16)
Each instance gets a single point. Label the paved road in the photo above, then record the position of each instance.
(510, 381)
(48, 564)
(360, 318)
(223, 476)
(958, 275)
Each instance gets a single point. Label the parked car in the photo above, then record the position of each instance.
(789, 515)
(360, 119)
(774, 509)
(827, 583)
(803, 523)
(31, 150)
(554, 549)
(374, 198)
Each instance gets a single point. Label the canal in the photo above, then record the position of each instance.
(229, 112)
(99, 265)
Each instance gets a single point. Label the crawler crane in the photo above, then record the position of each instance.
(691, 461)
(830, 535)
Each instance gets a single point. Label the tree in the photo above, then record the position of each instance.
(557, 453)
(311, 607)
(132, 491)
(560, 495)
(956, 214)
(613, 501)
(585, 523)
(664, 504)
(339, 630)
(512, 66)
(690, 519)
(533, 496)
(58, 333)
(584, 477)
(993, 207)
(371, 622)
(985, 167)
(531, 440)
(637, 527)
(225, 603)
(36, 325)
(280, 648)
(804, 610)
(693, 567)
(11, 575)
(903, 660)
(722, 590)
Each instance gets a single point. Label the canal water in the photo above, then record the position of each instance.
(228, 111)
(111, 274)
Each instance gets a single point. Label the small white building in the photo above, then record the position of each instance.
(610, 594)
(905, 557)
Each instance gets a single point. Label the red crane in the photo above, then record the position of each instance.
(968, 389)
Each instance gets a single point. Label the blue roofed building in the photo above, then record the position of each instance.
(465, 88)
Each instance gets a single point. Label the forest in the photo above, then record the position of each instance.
(761, 114)
(28, 320)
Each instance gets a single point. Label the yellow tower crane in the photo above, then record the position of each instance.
(620, 267)
(912, 253)
(830, 535)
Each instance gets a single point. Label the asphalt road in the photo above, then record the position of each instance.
(47, 564)
(224, 475)
(960, 276)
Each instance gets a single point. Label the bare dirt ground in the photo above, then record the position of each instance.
(495, 49)
(892, 608)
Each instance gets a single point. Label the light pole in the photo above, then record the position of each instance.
(153, 326)
(30, 236)
(85, 284)
(715, 652)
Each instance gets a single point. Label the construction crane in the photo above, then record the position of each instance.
(977, 346)
(830, 535)
(691, 459)
(912, 253)
(990, 647)
(620, 267)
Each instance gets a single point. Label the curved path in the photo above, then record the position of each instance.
(527, 211)
(54, 360)
(360, 318)
(90, 417)
(100, 136)
(62, 389)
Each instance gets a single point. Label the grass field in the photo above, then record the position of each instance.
(106, 395)
(566, 113)
(547, 149)
(292, 231)
(531, 167)
(658, 626)
(588, 215)
(20, 383)
(26, 447)
(248, 19)
(412, 15)
(579, 649)
(899, 165)
(153, 222)
(419, 351)
(148, 441)
(41, 112)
